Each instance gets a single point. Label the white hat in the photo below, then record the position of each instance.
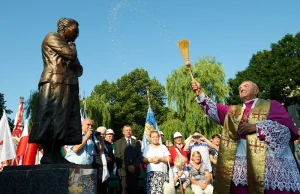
(177, 134)
(110, 131)
(133, 137)
(162, 133)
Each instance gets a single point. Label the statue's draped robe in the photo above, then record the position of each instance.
(281, 175)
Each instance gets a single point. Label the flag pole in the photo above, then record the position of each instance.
(84, 103)
(148, 96)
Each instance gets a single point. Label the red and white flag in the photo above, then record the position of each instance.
(18, 129)
(22, 145)
(30, 155)
(7, 149)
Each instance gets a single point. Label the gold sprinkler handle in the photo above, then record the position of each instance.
(188, 65)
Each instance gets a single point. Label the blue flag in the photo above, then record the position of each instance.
(149, 126)
(150, 119)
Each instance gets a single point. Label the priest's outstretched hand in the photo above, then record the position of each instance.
(196, 86)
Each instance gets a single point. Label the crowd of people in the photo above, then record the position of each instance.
(252, 155)
(189, 164)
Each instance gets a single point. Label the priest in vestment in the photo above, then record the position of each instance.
(254, 155)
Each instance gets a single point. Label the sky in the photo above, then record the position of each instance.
(118, 36)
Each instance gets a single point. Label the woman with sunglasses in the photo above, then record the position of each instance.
(199, 175)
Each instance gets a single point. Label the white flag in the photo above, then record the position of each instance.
(105, 173)
(7, 149)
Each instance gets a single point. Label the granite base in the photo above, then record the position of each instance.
(52, 179)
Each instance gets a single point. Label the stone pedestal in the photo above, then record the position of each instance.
(52, 179)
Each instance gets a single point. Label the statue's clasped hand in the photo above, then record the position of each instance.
(72, 45)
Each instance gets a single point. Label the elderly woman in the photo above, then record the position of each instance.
(180, 175)
(199, 175)
(156, 156)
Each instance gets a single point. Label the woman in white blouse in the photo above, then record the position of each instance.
(156, 156)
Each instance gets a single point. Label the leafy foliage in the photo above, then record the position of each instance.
(275, 71)
(181, 98)
(127, 101)
(31, 106)
(8, 111)
(171, 126)
(99, 110)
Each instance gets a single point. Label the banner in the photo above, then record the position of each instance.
(149, 126)
(7, 149)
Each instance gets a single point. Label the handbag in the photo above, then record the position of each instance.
(169, 187)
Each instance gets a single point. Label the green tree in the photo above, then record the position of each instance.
(127, 98)
(275, 71)
(8, 111)
(98, 110)
(31, 106)
(169, 127)
(181, 98)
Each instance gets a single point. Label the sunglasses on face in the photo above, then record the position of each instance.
(196, 136)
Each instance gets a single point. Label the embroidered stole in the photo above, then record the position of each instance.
(256, 150)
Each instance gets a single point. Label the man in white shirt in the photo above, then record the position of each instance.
(194, 143)
(83, 153)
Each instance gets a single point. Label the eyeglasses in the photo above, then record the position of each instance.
(196, 136)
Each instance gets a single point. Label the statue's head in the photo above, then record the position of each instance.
(68, 28)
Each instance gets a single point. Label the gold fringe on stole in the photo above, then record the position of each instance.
(256, 150)
(227, 150)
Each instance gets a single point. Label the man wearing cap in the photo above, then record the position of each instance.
(110, 135)
(196, 143)
(177, 148)
(109, 155)
(162, 138)
(108, 150)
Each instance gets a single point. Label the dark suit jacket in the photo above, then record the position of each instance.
(61, 64)
(127, 155)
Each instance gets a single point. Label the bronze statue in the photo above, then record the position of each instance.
(58, 121)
